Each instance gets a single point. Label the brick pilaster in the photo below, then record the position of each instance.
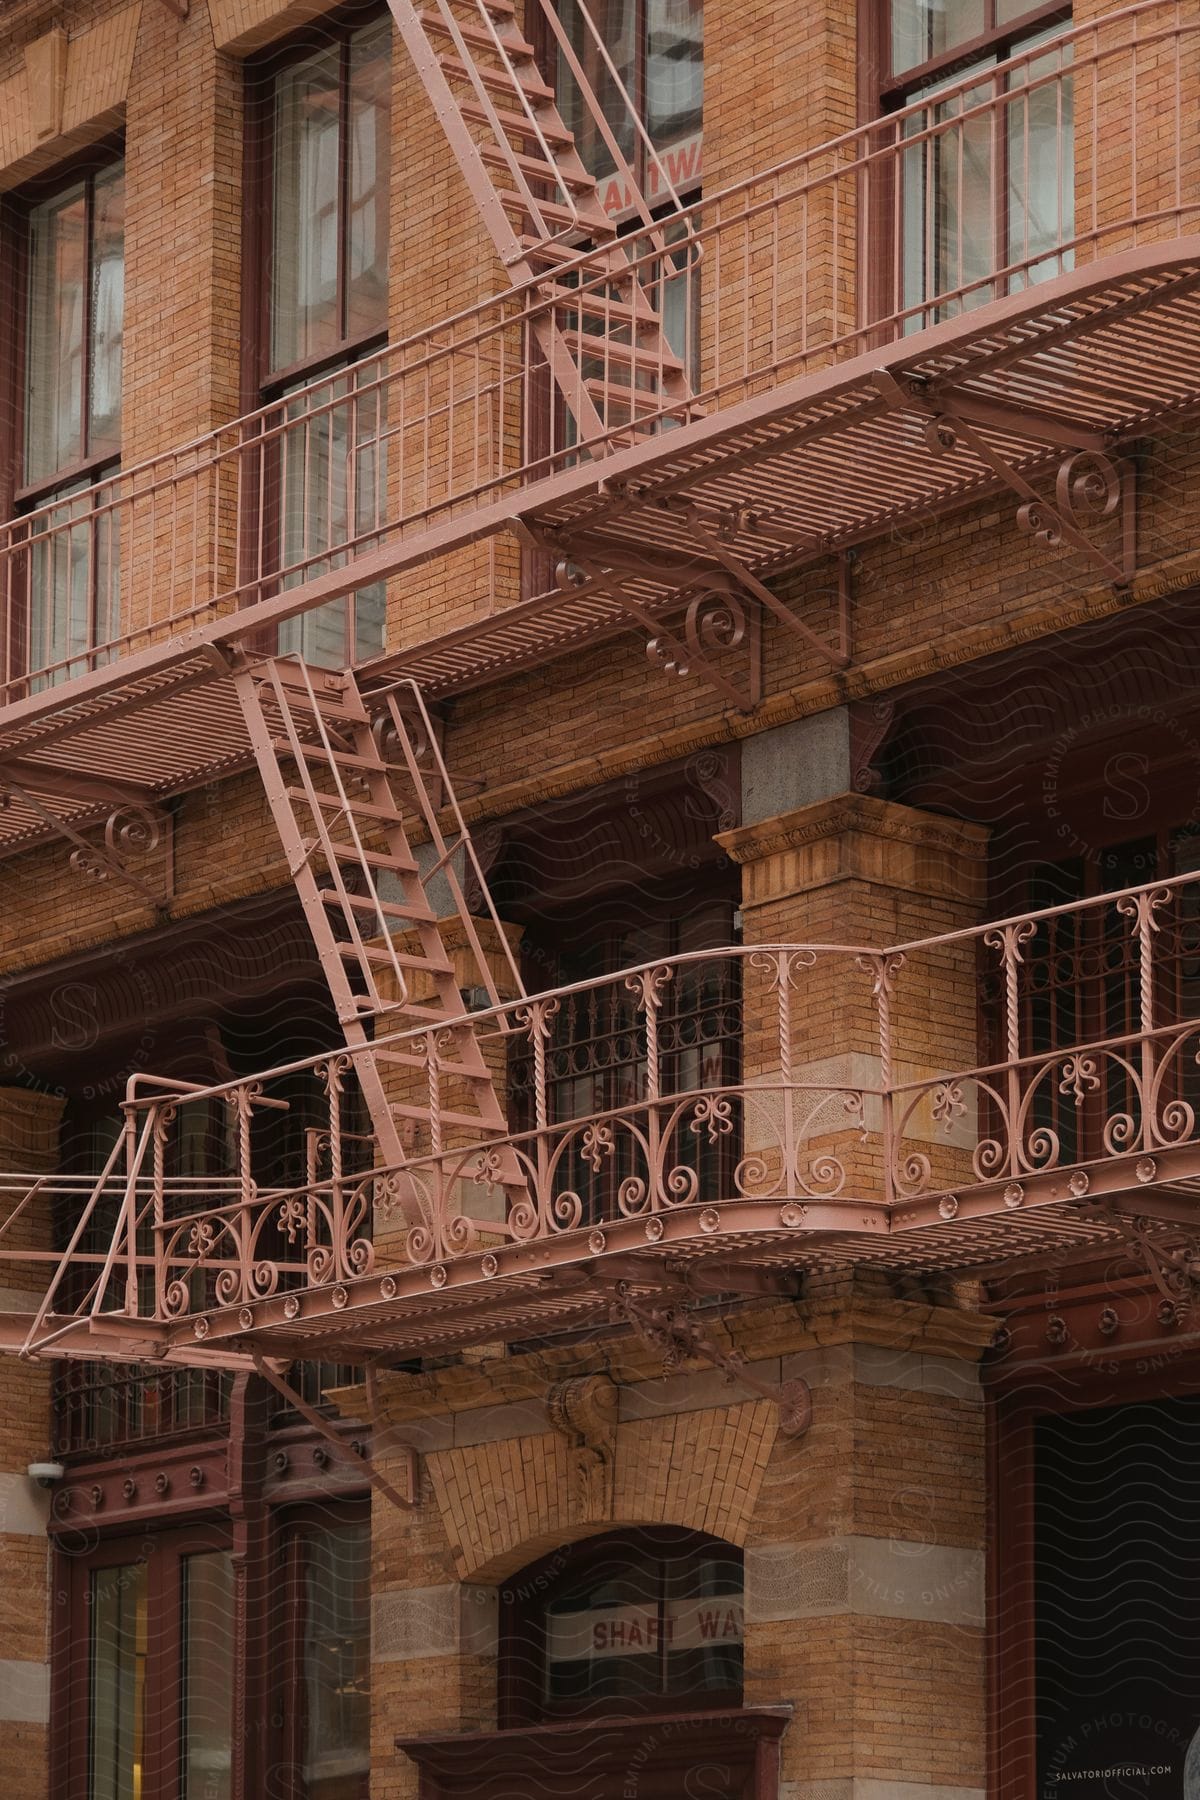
(29, 1145)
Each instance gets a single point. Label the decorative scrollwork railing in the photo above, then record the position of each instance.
(796, 1076)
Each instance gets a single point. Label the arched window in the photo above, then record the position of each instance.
(635, 1621)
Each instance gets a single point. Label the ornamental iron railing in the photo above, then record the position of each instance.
(773, 1080)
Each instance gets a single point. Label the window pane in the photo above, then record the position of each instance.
(1008, 11)
(74, 585)
(924, 28)
(675, 75)
(949, 206)
(616, 27)
(333, 493)
(117, 1694)
(55, 328)
(604, 1633)
(304, 270)
(337, 1648)
(1041, 168)
(108, 314)
(705, 1626)
(367, 225)
(208, 1658)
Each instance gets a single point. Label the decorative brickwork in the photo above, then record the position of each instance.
(863, 1540)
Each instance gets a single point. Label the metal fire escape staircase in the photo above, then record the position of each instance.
(604, 340)
(331, 772)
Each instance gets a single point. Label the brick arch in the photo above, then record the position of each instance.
(506, 1504)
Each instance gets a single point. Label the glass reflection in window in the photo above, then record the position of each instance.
(208, 1663)
(75, 325)
(330, 199)
(117, 1683)
(337, 1647)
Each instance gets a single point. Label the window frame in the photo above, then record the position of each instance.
(265, 386)
(291, 1529)
(881, 95)
(16, 209)
(547, 53)
(20, 498)
(883, 90)
(164, 1548)
(521, 1662)
(262, 382)
(164, 1553)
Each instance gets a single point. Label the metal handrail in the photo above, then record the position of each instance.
(184, 539)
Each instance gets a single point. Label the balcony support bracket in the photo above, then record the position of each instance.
(720, 530)
(1090, 487)
(132, 826)
(670, 1330)
(714, 618)
(1174, 1271)
(272, 1369)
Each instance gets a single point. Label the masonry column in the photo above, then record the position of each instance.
(845, 869)
(865, 1558)
(28, 1144)
(865, 1567)
(182, 362)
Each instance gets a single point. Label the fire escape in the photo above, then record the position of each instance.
(675, 482)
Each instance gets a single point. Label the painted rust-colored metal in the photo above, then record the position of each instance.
(1029, 374)
(1059, 1145)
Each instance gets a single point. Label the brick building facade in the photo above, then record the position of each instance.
(599, 778)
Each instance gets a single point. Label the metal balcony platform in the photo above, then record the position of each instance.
(1067, 1149)
(1035, 391)
(519, 1292)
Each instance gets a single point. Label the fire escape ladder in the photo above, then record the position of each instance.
(374, 924)
(603, 339)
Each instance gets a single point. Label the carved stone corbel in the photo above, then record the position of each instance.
(583, 1410)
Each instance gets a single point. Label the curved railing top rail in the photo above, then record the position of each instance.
(1007, 935)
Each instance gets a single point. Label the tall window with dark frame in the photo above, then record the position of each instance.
(985, 196)
(149, 1634)
(70, 236)
(322, 113)
(596, 1062)
(654, 51)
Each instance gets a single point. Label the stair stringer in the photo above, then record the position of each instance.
(318, 722)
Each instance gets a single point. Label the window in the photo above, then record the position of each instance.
(324, 128)
(1080, 985)
(628, 1622)
(596, 1056)
(1108, 1585)
(149, 1647)
(986, 191)
(321, 1652)
(72, 240)
(656, 48)
(150, 1654)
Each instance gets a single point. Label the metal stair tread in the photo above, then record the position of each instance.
(533, 87)
(475, 34)
(388, 909)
